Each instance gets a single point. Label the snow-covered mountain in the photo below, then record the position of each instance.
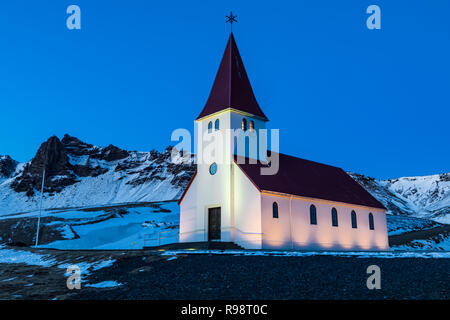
(424, 197)
(79, 174)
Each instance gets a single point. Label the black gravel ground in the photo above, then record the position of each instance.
(269, 277)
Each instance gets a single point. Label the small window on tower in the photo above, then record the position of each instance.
(216, 125)
(252, 125)
(210, 127)
(244, 124)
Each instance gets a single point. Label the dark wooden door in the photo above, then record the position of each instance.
(214, 224)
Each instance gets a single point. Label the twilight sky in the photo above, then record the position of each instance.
(370, 101)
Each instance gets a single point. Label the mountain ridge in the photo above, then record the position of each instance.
(81, 174)
(422, 196)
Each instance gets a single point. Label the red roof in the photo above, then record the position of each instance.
(309, 179)
(231, 88)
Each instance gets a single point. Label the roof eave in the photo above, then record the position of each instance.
(276, 193)
(230, 109)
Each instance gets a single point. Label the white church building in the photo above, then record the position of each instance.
(231, 198)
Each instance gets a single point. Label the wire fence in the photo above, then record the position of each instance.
(162, 238)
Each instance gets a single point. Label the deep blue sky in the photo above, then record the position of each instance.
(375, 102)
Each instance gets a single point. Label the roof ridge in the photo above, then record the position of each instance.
(301, 177)
(229, 70)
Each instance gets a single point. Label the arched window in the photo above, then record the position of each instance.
(371, 224)
(216, 124)
(275, 210)
(252, 125)
(334, 217)
(312, 214)
(244, 124)
(210, 127)
(354, 222)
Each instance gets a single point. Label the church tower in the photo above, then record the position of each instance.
(231, 105)
(228, 126)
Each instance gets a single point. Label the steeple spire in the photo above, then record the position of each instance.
(231, 88)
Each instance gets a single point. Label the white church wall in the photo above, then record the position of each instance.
(247, 230)
(189, 231)
(276, 231)
(323, 236)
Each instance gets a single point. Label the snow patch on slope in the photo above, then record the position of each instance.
(124, 231)
(423, 197)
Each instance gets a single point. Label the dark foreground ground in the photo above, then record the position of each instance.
(193, 276)
(262, 277)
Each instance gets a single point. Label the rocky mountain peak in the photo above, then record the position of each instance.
(76, 147)
(111, 153)
(69, 160)
(60, 172)
(7, 166)
(51, 154)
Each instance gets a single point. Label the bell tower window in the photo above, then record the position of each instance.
(244, 124)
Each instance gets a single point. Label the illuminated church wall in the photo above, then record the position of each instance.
(247, 211)
(322, 236)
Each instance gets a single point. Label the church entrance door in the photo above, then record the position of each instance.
(213, 224)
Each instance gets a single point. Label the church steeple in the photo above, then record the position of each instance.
(231, 88)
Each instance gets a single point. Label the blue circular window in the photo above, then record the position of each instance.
(213, 168)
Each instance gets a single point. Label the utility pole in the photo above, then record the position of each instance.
(40, 208)
(42, 195)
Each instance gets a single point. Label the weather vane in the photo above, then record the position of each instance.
(231, 19)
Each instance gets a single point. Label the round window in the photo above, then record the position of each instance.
(213, 168)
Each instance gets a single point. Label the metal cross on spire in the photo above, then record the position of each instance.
(231, 19)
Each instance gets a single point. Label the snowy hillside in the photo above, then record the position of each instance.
(425, 197)
(79, 174)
